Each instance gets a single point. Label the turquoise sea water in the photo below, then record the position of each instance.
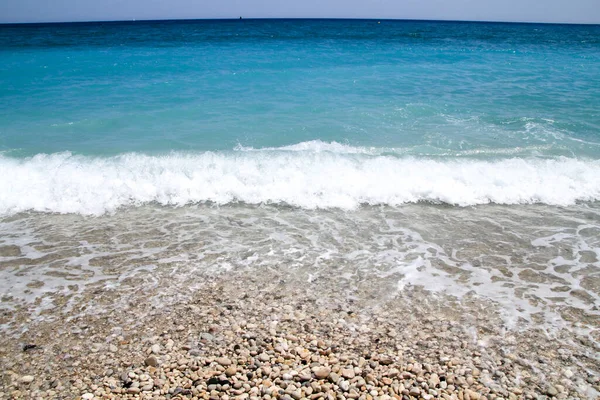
(426, 88)
(397, 93)
(345, 94)
(463, 157)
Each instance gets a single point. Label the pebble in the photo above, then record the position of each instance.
(344, 385)
(551, 391)
(26, 379)
(385, 360)
(321, 372)
(87, 396)
(304, 375)
(224, 361)
(348, 373)
(333, 377)
(433, 380)
(151, 361)
(568, 373)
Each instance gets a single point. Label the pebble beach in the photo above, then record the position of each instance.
(238, 336)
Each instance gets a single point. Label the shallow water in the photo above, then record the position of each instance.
(539, 263)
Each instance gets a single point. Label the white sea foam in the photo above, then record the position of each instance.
(67, 183)
(319, 146)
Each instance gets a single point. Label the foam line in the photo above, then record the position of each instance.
(66, 183)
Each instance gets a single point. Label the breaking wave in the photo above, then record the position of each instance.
(342, 178)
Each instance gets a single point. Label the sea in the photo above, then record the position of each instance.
(462, 158)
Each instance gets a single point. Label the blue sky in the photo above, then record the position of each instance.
(571, 11)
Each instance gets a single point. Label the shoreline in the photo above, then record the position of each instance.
(262, 335)
(343, 210)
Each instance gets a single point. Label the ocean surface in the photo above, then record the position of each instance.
(462, 157)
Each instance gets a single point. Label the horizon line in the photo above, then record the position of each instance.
(242, 18)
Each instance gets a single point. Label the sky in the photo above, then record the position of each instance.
(567, 11)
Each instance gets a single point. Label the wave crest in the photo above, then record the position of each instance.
(66, 183)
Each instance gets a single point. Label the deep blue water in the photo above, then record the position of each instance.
(197, 104)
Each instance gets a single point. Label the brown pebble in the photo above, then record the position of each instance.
(151, 361)
(385, 360)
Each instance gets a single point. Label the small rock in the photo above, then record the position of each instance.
(321, 372)
(304, 375)
(414, 391)
(385, 360)
(155, 349)
(151, 361)
(224, 361)
(434, 380)
(551, 391)
(344, 385)
(87, 396)
(568, 373)
(26, 379)
(231, 370)
(333, 377)
(133, 390)
(348, 373)
(303, 353)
